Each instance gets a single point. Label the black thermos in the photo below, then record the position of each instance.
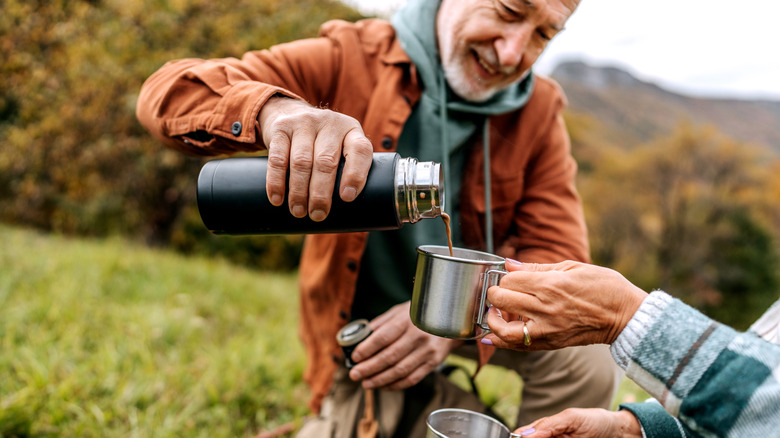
(232, 198)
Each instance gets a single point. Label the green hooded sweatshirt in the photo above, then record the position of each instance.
(441, 128)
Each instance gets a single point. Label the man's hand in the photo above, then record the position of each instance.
(397, 354)
(310, 142)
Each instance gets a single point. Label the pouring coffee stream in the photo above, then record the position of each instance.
(446, 218)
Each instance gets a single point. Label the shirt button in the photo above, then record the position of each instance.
(352, 265)
(236, 128)
(343, 315)
(387, 143)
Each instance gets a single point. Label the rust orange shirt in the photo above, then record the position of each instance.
(210, 107)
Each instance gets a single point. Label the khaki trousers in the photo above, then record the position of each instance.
(552, 381)
(582, 377)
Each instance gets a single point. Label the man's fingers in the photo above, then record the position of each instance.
(371, 362)
(301, 163)
(358, 153)
(328, 150)
(305, 146)
(323, 177)
(407, 373)
(377, 341)
(398, 311)
(276, 171)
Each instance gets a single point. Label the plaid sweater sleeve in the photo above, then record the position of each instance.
(717, 381)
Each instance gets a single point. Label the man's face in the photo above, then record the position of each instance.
(486, 45)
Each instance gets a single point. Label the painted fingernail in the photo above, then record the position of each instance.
(318, 215)
(528, 432)
(298, 211)
(514, 262)
(349, 194)
(486, 341)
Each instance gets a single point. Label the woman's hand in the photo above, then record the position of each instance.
(561, 305)
(584, 423)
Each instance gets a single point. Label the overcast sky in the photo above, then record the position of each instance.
(700, 47)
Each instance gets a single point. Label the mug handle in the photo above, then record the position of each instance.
(483, 304)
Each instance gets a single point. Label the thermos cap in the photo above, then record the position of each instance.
(352, 333)
(419, 189)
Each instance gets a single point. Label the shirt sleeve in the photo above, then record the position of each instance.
(210, 106)
(655, 421)
(715, 380)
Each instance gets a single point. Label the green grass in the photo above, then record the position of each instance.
(111, 339)
(108, 339)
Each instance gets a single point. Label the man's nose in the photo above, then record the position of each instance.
(512, 44)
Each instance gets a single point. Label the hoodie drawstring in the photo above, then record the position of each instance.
(488, 192)
(445, 139)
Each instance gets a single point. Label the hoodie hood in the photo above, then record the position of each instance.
(415, 26)
(442, 122)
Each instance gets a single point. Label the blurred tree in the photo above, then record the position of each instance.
(684, 214)
(73, 157)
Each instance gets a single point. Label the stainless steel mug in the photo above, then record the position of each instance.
(453, 423)
(448, 298)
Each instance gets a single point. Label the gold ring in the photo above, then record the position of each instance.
(526, 336)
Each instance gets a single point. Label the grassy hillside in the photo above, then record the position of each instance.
(109, 339)
(105, 339)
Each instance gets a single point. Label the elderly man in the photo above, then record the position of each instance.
(447, 81)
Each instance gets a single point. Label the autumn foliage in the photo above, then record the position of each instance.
(691, 211)
(73, 158)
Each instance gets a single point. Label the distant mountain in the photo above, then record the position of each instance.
(633, 111)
